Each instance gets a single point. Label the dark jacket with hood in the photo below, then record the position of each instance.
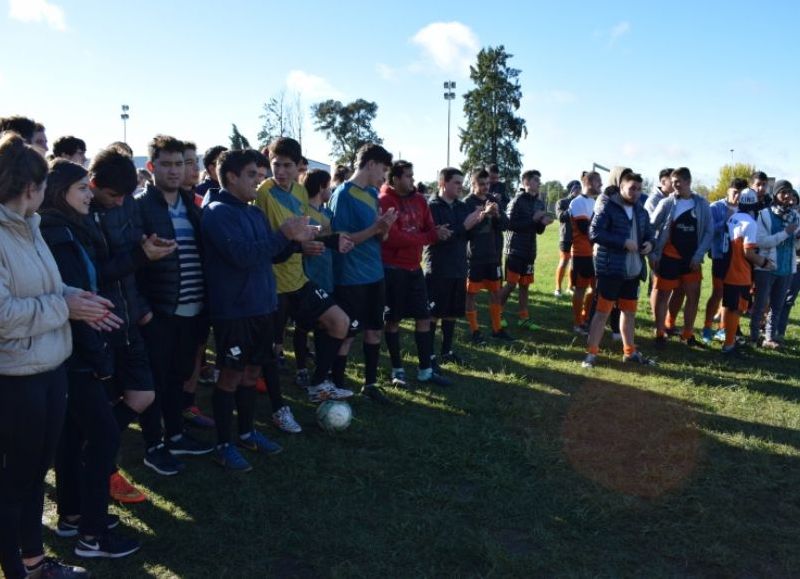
(611, 228)
(486, 238)
(447, 259)
(521, 239)
(72, 244)
(160, 281)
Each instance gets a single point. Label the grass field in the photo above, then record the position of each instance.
(529, 466)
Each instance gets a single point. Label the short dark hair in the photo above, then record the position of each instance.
(398, 168)
(303, 161)
(63, 174)
(261, 159)
(68, 146)
(682, 173)
(665, 173)
(233, 162)
(631, 177)
(20, 166)
(738, 183)
(23, 126)
(528, 175)
(163, 143)
(122, 148)
(422, 188)
(479, 173)
(212, 154)
(341, 173)
(493, 168)
(373, 152)
(315, 181)
(758, 176)
(189, 146)
(587, 177)
(286, 147)
(111, 169)
(448, 173)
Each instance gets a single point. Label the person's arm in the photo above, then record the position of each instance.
(767, 239)
(343, 218)
(519, 220)
(601, 229)
(222, 228)
(707, 235)
(562, 210)
(30, 316)
(397, 238)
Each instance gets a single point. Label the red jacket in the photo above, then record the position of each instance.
(413, 229)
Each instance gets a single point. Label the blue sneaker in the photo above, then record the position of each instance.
(719, 336)
(257, 442)
(708, 335)
(228, 457)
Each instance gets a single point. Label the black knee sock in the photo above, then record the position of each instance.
(424, 349)
(223, 403)
(188, 399)
(300, 344)
(393, 345)
(327, 347)
(246, 408)
(448, 329)
(337, 371)
(371, 354)
(124, 415)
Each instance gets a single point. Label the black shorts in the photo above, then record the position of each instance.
(364, 304)
(244, 342)
(306, 305)
(732, 294)
(719, 267)
(132, 365)
(519, 265)
(446, 296)
(614, 288)
(484, 272)
(672, 268)
(406, 295)
(565, 246)
(582, 269)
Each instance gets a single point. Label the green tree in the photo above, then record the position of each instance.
(238, 140)
(493, 130)
(551, 192)
(346, 126)
(728, 173)
(282, 116)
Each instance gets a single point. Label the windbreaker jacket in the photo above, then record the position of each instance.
(521, 238)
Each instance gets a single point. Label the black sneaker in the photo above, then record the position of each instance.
(52, 568)
(660, 342)
(435, 364)
(375, 394)
(732, 354)
(436, 380)
(638, 358)
(67, 528)
(503, 336)
(108, 546)
(692, 342)
(450, 358)
(672, 331)
(188, 445)
(478, 339)
(161, 460)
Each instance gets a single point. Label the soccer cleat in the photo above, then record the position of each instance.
(477, 338)
(580, 330)
(638, 358)
(503, 336)
(375, 394)
(436, 380)
(707, 335)
(527, 324)
(52, 568)
(284, 420)
(503, 323)
(557, 293)
(208, 375)
(399, 378)
(193, 416)
(107, 546)
(590, 361)
(692, 342)
(719, 336)
(161, 460)
(672, 331)
(327, 390)
(450, 358)
(303, 380)
(229, 458)
(124, 492)
(187, 445)
(770, 344)
(732, 353)
(67, 528)
(257, 442)
(261, 386)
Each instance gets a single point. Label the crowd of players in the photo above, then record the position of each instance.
(111, 280)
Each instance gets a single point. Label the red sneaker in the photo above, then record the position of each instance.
(123, 491)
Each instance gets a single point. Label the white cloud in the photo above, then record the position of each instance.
(37, 11)
(451, 46)
(386, 72)
(618, 30)
(310, 86)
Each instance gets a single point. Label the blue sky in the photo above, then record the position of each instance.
(635, 83)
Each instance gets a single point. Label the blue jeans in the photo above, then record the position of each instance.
(770, 292)
(788, 302)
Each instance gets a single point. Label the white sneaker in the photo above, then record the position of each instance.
(399, 378)
(590, 361)
(284, 420)
(327, 391)
(557, 293)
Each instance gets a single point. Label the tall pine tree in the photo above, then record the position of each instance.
(493, 130)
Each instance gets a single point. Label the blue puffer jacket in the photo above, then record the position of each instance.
(610, 230)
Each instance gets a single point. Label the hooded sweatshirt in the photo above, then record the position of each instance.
(410, 233)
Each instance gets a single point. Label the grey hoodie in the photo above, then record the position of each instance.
(662, 219)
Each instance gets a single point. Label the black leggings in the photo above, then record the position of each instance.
(32, 412)
(86, 454)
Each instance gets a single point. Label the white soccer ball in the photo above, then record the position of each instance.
(334, 415)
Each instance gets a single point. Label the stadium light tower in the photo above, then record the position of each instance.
(449, 95)
(125, 116)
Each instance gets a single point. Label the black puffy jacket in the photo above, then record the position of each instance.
(610, 229)
(160, 281)
(521, 239)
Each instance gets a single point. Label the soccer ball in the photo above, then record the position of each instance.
(334, 415)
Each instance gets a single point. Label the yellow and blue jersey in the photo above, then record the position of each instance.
(355, 209)
(279, 205)
(319, 268)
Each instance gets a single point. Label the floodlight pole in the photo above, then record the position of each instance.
(125, 116)
(449, 95)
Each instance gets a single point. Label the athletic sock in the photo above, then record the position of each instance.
(246, 408)
(393, 345)
(448, 331)
(371, 354)
(577, 311)
(593, 350)
(472, 318)
(523, 315)
(686, 334)
(327, 347)
(300, 346)
(587, 306)
(337, 371)
(496, 315)
(222, 404)
(731, 320)
(629, 350)
(124, 415)
(670, 322)
(424, 349)
(188, 399)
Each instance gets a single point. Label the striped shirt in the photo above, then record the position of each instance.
(190, 297)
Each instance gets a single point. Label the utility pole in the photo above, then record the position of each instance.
(449, 95)
(125, 116)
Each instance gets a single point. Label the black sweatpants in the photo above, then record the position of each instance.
(86, 453)
(32, 412)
